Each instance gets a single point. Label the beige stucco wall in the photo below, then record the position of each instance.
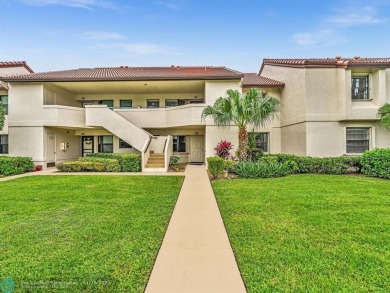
(54, 95)
(7, 71)
(73, 150)
(293, 139)
(27, 141)
(216, 89)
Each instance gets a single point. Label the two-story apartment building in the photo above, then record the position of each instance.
(329, 109)
(8, 69)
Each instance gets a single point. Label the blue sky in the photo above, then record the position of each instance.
(64, 34)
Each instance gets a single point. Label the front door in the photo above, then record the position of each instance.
(51, 150)
(86, 145)
(197, 149)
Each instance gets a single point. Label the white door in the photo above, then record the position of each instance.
(51, 148)
(197, 149)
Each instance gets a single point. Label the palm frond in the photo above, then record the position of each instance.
(384, 115)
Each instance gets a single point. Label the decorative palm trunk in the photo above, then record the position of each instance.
(242, 143)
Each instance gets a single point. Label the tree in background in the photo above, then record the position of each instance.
(2, 116)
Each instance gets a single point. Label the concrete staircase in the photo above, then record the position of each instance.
(155, 161)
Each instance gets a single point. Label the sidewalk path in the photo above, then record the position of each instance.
(196, 256)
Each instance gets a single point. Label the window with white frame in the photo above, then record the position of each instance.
(105, 144)
(358, 139)
(4, 144)
(179, 144)
(261, 140)
(124, 145)
(152, 103)
(361, 87)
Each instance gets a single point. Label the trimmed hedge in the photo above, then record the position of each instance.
(265, 169)
(376, 163)
(216, 165)
(335, 165)
(127, 162)
(78, 166)
(15, 165)
(110, 165)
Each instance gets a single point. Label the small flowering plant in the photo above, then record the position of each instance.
(223, 149)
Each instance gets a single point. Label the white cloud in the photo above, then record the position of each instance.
(320, 37)
(175, 5)
(365, 15)
(86, 4)
(100, 35)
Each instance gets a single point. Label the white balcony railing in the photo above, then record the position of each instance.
(57, 115)
(164, 117)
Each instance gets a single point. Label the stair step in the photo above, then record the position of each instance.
(154, 165)
(156, 160)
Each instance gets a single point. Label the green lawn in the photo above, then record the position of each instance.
(83, 233)
(309, 233)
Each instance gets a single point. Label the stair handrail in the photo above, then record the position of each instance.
(165, 145)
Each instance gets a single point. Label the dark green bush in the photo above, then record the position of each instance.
(215, 166)
(15, 165)
(110, 165)
(127, 162)
(376, 163)
(263, 169)
(336, 165)
(79, 166)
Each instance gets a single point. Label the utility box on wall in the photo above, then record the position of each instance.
(64, 146)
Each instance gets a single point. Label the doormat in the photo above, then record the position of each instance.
(196, 163)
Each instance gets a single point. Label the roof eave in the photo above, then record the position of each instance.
(16, 79)
(263, 85)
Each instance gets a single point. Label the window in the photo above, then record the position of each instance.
(358, 140)
(126, 104)
(124, 145)
(105, 144)
(153, 104)
(4, 101)
(261, 140)
(171, 103)
(179, 144)
(174, 103)
(360, 87)
(3, 144)
(109, 103)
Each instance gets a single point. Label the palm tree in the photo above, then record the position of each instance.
(384, 114)
(253, 109)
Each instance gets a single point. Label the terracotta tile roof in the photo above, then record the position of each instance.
(255, 80)
(16, 64)
(132, 73)
(327, 62)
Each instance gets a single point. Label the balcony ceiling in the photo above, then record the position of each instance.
(132, 87)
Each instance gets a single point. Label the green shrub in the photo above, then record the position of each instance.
(263, 169)
(216, 165)
(15, 165)
(79, 166)
(229, 165)
(376, 163)
(110, 165)
(127, 162)
(336, 165)
(266, 159)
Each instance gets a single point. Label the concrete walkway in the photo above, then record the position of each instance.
(196, 255)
